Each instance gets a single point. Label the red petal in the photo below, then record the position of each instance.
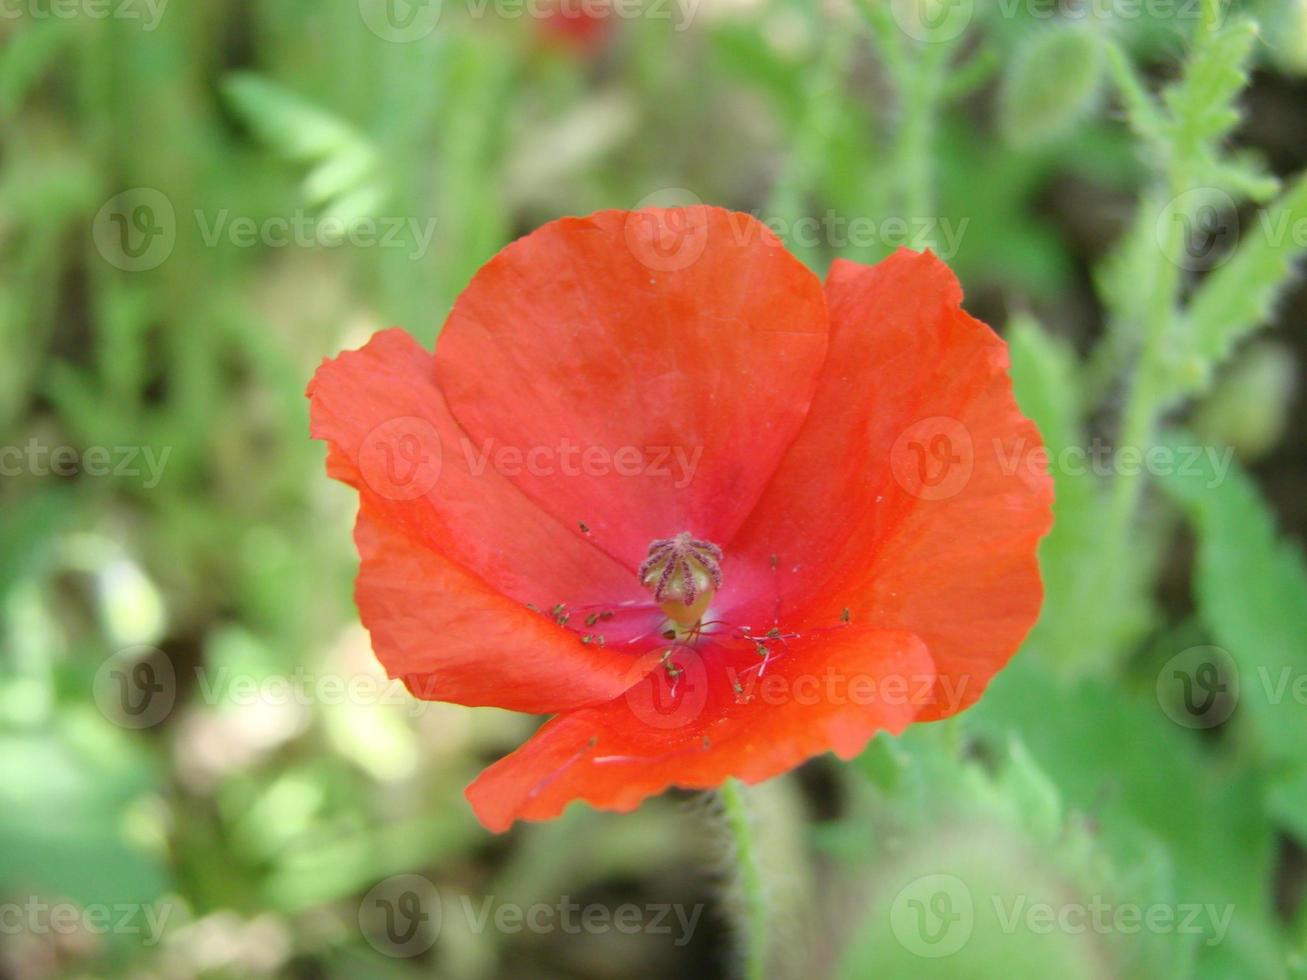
(648, 334)
(451, 555)
(912, 380)
(832, 692)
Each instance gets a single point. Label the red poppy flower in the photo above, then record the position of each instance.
(581, 26)
(660, 482)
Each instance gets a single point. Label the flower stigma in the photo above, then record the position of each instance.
(683, 573)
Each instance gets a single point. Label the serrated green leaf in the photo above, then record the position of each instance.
(1241, 176)
(1144, 779)
(1091, 606)
(1142, 110)
(1252, 594)
(1238, 296)
(1201, 104)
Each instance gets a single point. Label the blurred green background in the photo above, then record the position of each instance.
(199, 201)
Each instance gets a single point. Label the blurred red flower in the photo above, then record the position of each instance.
(581, 26)
(717, 518)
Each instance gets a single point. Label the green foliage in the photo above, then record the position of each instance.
(1117, 759)
(1201, 103)
(1052, 82)
(1251, 590)
(980, 130)
(1239, 296)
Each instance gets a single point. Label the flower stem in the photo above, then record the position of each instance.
(735, 806)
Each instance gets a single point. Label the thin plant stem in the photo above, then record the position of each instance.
(735, 806)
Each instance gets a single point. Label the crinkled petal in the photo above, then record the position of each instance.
(916, 492)
(452, 554)
(829, 692)
(640, 372)
(453, 638)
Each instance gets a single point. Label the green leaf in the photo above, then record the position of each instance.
(66, 815)
(1045, 381)
(1202, 103)
(1238, 296)
(1286, 800)
(1251, 590)
(1250, 405)
(345, 182)
(1142, 110)
(293, 125)
(998, 839)
(1090, 613)
(25, 59)
(1144, 781)
(1051, 84)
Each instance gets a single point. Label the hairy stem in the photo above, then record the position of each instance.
(735, 807)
